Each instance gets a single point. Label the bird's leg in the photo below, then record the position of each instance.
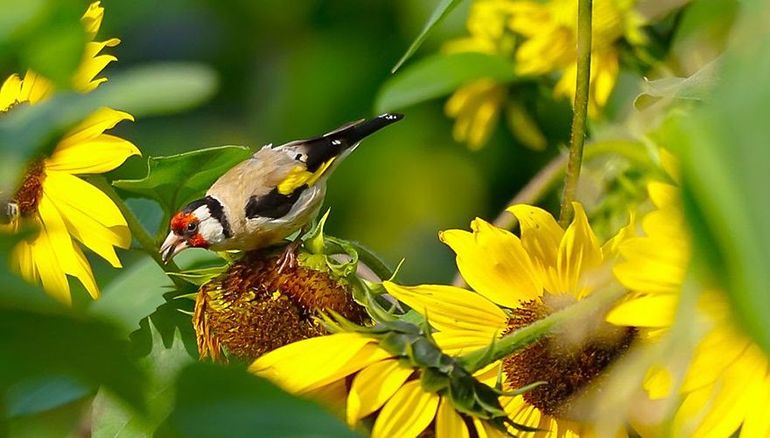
(288, 257)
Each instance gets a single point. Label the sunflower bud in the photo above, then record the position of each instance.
(252, 308)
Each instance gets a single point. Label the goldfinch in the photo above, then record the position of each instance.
(272, 194)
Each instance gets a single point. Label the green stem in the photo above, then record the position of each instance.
(580, 113)
(521, 338)
(137, 229)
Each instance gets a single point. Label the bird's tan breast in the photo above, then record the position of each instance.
(256, 176)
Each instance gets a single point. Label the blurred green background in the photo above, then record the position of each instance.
(290, 71)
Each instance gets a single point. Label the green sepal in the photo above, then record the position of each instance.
(201, 276)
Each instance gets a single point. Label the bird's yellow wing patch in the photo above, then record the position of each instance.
(300, 176)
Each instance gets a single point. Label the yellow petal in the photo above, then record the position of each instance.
(9, 92)
(611, 248)
(451, 308)
(714, 354)
(734, 396)
(579, 253)
(486, 430)
(82, 271)
(52, 251)
(92, 64)
(93, 126)
(449, 424)
(757, 421)
(22, 261)
(91, 216)
(34, 88)
(407, 413)
(645, 311)
(540, 236)
(658, 383)
(92, 18)
(664, 195)
(314, 362)
(98, 155)
(373, 386)
(457, 342)
(646, 268)
(494, 263)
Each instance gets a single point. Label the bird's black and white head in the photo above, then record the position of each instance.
(201, 224)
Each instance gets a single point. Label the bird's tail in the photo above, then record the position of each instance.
(333, 144)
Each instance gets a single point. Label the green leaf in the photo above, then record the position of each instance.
(174, 180)
(37, 345)
(442, 10)
(439, 75)
(162, 88)
(112, 419)
(726, 172)
(138, 292)
(40, 395)
(228, 402)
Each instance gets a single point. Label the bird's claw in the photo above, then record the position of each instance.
(288, 259)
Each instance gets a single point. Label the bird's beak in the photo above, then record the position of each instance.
(172, 246)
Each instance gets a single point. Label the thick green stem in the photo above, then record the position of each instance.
(521, 338)
(137, 229)
(580, 112)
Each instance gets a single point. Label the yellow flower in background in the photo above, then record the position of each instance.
(352, 372)
(727, 383)
(476, 106)
(84, 79)
(63, 208)
(517, 282)
(541, 39)
(550, 43)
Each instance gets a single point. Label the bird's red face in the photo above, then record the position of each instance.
(184, 234)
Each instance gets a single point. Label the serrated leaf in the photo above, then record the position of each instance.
(113, 420)
(442, 10)
(439, 75)
(175, 180)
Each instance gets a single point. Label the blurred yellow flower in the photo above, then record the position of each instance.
(727, 383)
(550, 43)
(517, 282)
(352, 372)
(541, 38)
(60, 206)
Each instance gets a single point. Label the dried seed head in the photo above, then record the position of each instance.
(252, 308)
(30, 192)
(566, 365)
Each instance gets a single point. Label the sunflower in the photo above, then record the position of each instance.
(517, 282)
(550, 40)
(541, 39)
(63, 208)
(350, 371)
(476, 106)
(727, 383)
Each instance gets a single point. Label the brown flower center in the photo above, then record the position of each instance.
(252, 308)
(31, 190)
(568, 360)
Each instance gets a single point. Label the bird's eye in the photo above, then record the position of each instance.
(191, 227)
